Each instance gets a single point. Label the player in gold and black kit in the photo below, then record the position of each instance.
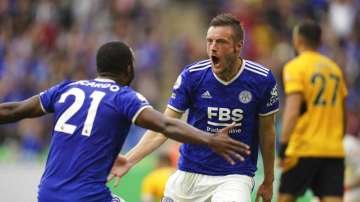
(311, 151)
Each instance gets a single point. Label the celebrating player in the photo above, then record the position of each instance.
(218, 91)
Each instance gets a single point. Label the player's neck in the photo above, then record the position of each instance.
(228, 75)
(306, 49)
(117, 79)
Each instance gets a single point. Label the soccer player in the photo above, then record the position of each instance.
(92, 119)
(153, 185)
(313, 122)
(218, 91)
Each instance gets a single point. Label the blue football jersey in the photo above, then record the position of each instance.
(92, 119)
(214, 104)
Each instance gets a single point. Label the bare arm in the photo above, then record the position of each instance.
(15, 111)
(344, 116)
(150, 141)
(170, 127)
(175, 129)
(178, 130)
(267, 147)
(291, 114)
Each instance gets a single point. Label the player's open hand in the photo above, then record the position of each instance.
(227, 147)
(265, 192)
(120, 167)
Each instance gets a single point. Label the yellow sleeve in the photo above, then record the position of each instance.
(293, 79)
(343, 88)
(147, 185)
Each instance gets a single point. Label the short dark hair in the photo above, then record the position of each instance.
(227, 19)
(113, 57)
(310, 31)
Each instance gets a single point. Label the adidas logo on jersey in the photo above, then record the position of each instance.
(206, 95)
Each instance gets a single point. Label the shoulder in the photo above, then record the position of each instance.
(194, 71)
(65, 83)
(57, 88)
(331, 63)
(258, 71)
(126, 93)
(293, 63)
(198, 66)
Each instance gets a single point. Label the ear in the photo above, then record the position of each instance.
(239, 45)
(298, 41)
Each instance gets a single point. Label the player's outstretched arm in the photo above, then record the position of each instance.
(15, 111)
(178, 130)
(148, 143)
(267, 147)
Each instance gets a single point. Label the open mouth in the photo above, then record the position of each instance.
(215, 60)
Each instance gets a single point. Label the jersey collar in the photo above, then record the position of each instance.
(235, 77)
(104, 80)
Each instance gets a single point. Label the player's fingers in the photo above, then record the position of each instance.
(228, 158)
(239, 146)
(240, 150)
(237, 156)
(117, 179)
(110, 177)
(227, 128)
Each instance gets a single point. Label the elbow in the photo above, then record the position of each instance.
(164, 126)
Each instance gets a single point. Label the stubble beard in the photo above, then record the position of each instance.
(229, 68)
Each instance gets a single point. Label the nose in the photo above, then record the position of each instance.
(213, 47)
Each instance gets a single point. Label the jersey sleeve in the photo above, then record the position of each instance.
(292, 78)
(132, 104)
(180, 97)
(343, 89)
(270, 99)
(48, 97)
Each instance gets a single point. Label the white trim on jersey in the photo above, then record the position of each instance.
(175, 109)
(257, 68)
(233, 79)
(104, 80)
(221, 124)
(198, 69)
(200, 64)
(42, 106)
(271, 112)
(138, 113)
(257, 65)
(255, 71)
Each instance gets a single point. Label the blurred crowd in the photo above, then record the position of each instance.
(45, 41)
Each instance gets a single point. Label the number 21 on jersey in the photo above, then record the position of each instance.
(80, 96)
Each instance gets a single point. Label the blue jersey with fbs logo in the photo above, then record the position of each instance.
(214, 104)
(92, 119)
